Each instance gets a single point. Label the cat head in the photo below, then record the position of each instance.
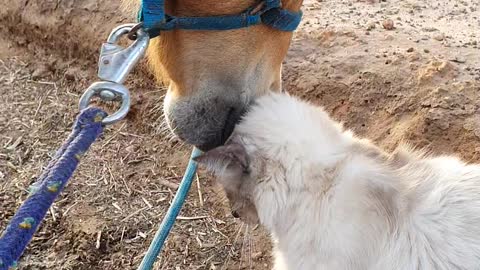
(232, 167)
(270, 154)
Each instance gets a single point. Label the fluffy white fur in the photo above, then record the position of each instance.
(335, 202)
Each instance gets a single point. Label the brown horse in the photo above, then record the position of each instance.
(213, 76)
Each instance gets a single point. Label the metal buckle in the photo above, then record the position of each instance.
(115, 63)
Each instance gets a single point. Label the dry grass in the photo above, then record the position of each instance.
(111, 209)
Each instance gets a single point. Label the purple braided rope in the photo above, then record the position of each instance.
(19, 232)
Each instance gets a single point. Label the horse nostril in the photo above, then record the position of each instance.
(229, 125)
(231, 120)
(235, 214)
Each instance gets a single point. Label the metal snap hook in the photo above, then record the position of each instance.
(132, 35)
(119, 31)
(108, 91)
(116, 62)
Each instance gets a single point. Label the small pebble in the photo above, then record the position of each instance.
(439, 37)
(41, 72)
(410, 49)
(389, 37)
(370, 26)
(459, 59)
(429, 29)
(71, 74)
(388, 24)
(257, 255)
(412, 57)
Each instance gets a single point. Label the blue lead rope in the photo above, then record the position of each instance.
(171, 216)
(25, 222)
(87, 128)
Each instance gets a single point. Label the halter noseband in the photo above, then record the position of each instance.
(152, 15)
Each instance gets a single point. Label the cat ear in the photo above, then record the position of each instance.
(227, 158)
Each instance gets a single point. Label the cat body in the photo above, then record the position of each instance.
(334, 201)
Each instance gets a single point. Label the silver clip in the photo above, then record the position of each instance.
(115, 63)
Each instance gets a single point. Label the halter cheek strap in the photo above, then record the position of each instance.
(152, 15)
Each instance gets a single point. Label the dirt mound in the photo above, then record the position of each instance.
(392, 71)
(417, 80)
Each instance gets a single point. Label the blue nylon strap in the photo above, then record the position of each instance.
(55, 176)
(152, 13)
(172, 213)
(282, 19)
(269, 4)
(155, 20)
(204, 23)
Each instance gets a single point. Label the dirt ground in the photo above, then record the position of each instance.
(391, 70)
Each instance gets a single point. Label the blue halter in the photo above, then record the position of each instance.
(155, 20)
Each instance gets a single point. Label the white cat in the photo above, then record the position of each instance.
(335, 202)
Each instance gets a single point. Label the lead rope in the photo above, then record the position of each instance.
(171, 216)
(87, 128)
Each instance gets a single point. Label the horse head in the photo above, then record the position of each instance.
(213, 76)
